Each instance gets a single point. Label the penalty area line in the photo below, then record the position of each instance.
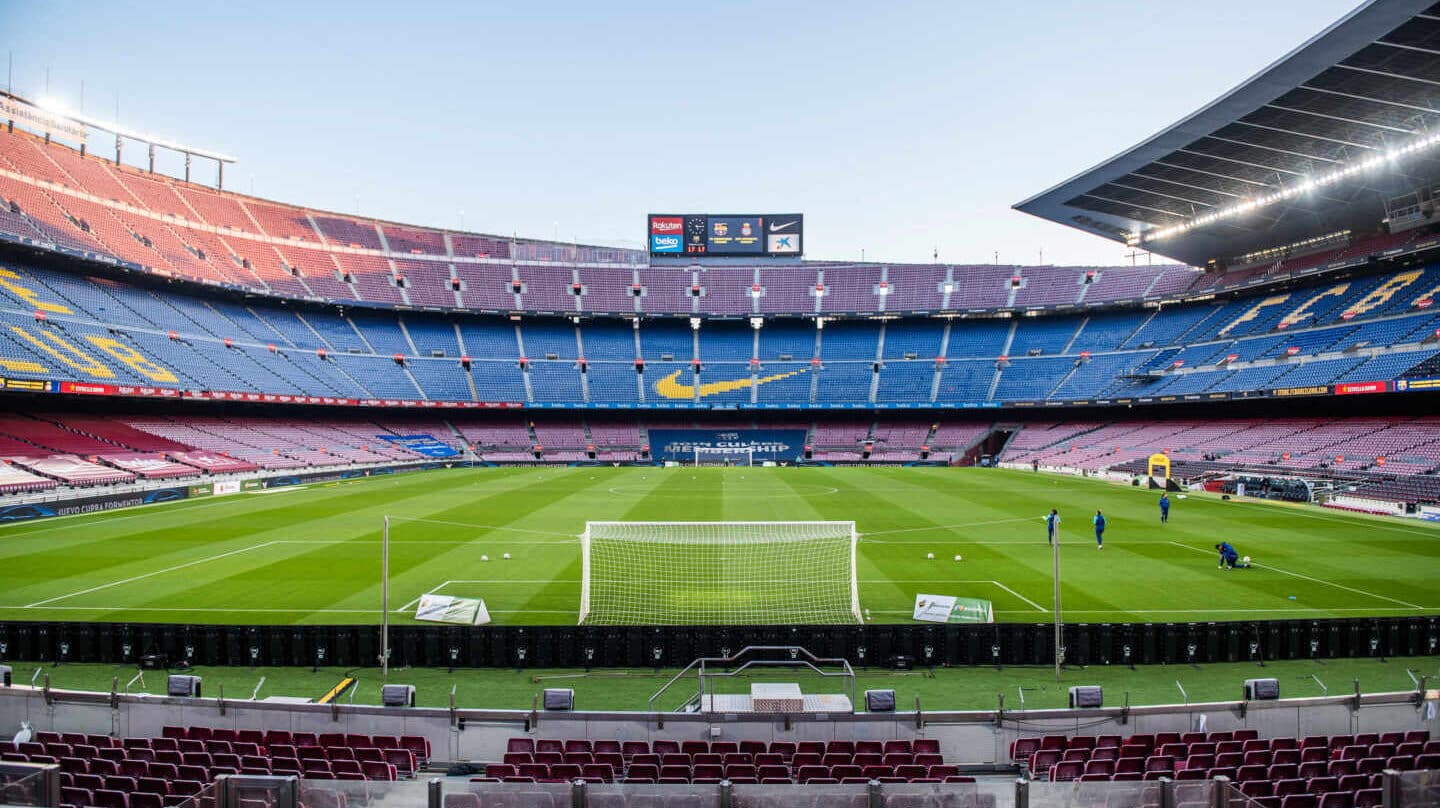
(134, 578)
(1307, 578)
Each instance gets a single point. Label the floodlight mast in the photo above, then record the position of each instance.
(1059, 626)
(385, 602)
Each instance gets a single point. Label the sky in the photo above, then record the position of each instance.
(902, 130)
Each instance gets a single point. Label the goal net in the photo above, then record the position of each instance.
(718, 573)
(711, 456)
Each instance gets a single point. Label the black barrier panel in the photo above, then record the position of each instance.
(872, 646)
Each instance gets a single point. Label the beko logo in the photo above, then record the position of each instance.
(666, 243)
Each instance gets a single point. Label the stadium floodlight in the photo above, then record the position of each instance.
(718, 573)
(1304, 186)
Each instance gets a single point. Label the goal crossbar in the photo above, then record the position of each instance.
(719, 573)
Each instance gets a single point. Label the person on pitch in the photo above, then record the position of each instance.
(1052, 525)
(1099, 521)
(1229, 559)
(1164, 508)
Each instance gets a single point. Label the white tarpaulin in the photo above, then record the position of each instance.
(448, 609)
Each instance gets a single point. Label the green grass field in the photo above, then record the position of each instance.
(312, 554)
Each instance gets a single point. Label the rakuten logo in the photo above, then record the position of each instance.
(666, 224)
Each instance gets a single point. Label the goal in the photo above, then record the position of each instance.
(712, 456)
(718, 573)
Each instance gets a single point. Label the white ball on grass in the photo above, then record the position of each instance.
(930, 556)
(507, 556)
(957, 557)
(484, 558)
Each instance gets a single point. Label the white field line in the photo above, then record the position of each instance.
(936, 582)
(1290, 610)
(865, 535)
(1307, 578)
(142, 577)
(503, 528)
(1380, 523)
(296, 610)
(1037, 606)
(109, 516)
(442, 542)
(407, 607)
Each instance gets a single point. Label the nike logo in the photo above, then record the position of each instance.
(776, 228)
(670, 387)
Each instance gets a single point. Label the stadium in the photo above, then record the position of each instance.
(308, 508)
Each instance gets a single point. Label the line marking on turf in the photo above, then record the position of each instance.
(1290, 610)
(1379, 522)
(865, 535)
(142, 577)
(407, 607)
(297, 610)
(1036, 606)
(109, 516)
(482, 527)
(1306, 577)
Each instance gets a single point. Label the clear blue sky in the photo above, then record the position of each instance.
(897, 127)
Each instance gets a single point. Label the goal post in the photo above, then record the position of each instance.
(718, 456)
(719, 573)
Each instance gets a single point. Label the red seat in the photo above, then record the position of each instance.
(632, 748)
(1369, 798)
(402, 759)
(770, 774)
(1284, 788)
(565, 771)
(643, 771)
(1066, 770)
(109, 798)
(695, 747)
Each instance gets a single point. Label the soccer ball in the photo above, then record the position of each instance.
(506, 556)
(957, 557)
(930, 556)
(1245, 560)
(484, 558)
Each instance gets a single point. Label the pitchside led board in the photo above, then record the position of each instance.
(694, 234)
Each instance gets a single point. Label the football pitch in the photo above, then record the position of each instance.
(311, 554)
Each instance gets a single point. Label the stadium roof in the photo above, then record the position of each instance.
(1320, 142)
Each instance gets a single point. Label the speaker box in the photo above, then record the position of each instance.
(1086, 696)
(183, 685)
(1262, 689)
(398, 695)
(558, 698)
(902, 662)
(879, 701)
(5, 674)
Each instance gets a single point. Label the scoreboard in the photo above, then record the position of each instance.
(764, 235)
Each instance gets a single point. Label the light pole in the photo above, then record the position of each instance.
(1059, 626)
(385, 602)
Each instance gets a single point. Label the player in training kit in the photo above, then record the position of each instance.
(1052, 525)
(1229, 559)
(1164, 508)
(1099, 530)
